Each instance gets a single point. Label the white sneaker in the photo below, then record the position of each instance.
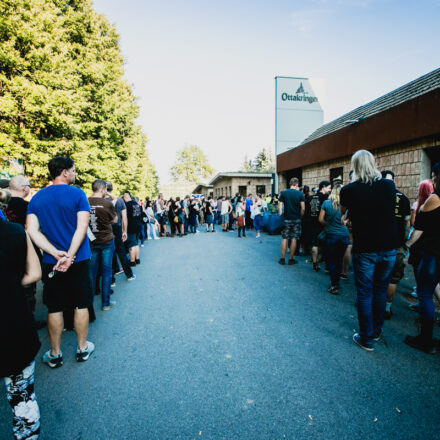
(156, 238)
(83, 355)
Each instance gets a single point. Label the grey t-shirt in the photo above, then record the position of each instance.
(333, 219)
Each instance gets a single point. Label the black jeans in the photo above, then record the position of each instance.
(249, 222)
(120, 250)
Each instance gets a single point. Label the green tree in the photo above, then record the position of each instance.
(62, 92)
(191, 165)
(263, 162)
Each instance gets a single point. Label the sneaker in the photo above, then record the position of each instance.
(326, 270)
(358, 340)
(418, 343)
(257, 236)
(334, 290)
(156, 238)
(316, 268)
(110, 306)
(138, 261)
(414, 292)
(53, 361)
(343, 277)
(83, 355)
(281, 261)
(119, 272)
(378, 337)
(142, 245)
(309, 261)
(387, 315)
(292, 262)
(132, 278)
(113, 285)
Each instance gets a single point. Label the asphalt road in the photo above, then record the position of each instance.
(215, 340)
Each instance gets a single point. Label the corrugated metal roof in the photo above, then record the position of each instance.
(419, 86)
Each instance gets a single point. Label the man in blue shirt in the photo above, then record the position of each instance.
(57, 221)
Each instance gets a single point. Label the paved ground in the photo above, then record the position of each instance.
(215, 340)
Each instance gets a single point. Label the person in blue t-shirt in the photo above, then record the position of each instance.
(57, 221)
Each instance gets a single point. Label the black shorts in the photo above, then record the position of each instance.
(132, 240)
(399, 267)
(315, 230)
(67, 290)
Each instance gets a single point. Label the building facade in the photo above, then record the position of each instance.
(401, 129)
(229, 184)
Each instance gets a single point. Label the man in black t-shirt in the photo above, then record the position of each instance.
(134, 220)
(316, 228)
(403, 213)
(370, 201)
(16, 211)
(293, 202)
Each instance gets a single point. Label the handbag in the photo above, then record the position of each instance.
(176, 219)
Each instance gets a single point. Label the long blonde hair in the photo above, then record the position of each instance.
(364, 167)
(334, 196)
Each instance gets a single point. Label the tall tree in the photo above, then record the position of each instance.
(62, 92)
(191, 165)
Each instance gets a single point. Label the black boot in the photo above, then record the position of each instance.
(424, 341)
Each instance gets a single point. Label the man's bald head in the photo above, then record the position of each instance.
(19, 186)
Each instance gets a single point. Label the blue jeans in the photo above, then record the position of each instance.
(335, 246)
(372, 273)
(427, 278)
(102, 255)
(193, 223)
(257, 223)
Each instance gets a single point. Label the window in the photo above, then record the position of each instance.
(261, 189)
(336, 173)
(242, 190)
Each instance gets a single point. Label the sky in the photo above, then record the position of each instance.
(203, 71)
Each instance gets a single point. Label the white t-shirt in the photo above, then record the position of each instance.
(225, 207)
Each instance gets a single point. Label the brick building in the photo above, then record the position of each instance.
(228, 184)
(401, 129)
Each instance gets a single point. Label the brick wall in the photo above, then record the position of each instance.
(404, 160)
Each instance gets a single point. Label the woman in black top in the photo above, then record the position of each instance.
(427, 232)
(19, 266)
(209, 215)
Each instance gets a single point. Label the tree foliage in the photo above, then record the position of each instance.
(62, 92)
(263, 162)
(191, 165)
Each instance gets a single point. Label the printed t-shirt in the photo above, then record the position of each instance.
(316, 202)
(402, 211)
(133, 217)
(371, 210)
(17, 210)
(333, 220)
(56, 207)
(292, 198)
(102, 214)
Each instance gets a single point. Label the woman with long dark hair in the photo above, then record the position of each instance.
(427, 232)
(241, 222)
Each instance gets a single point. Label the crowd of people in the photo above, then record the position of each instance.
(79, 245)
(372, 224)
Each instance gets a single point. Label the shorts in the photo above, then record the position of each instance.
(225, 219)
(314, 232)
(163, 220)
(292, 230)
(181, 219)
(67, 290)
(132, 240)
(399, 267)
(209, 220)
